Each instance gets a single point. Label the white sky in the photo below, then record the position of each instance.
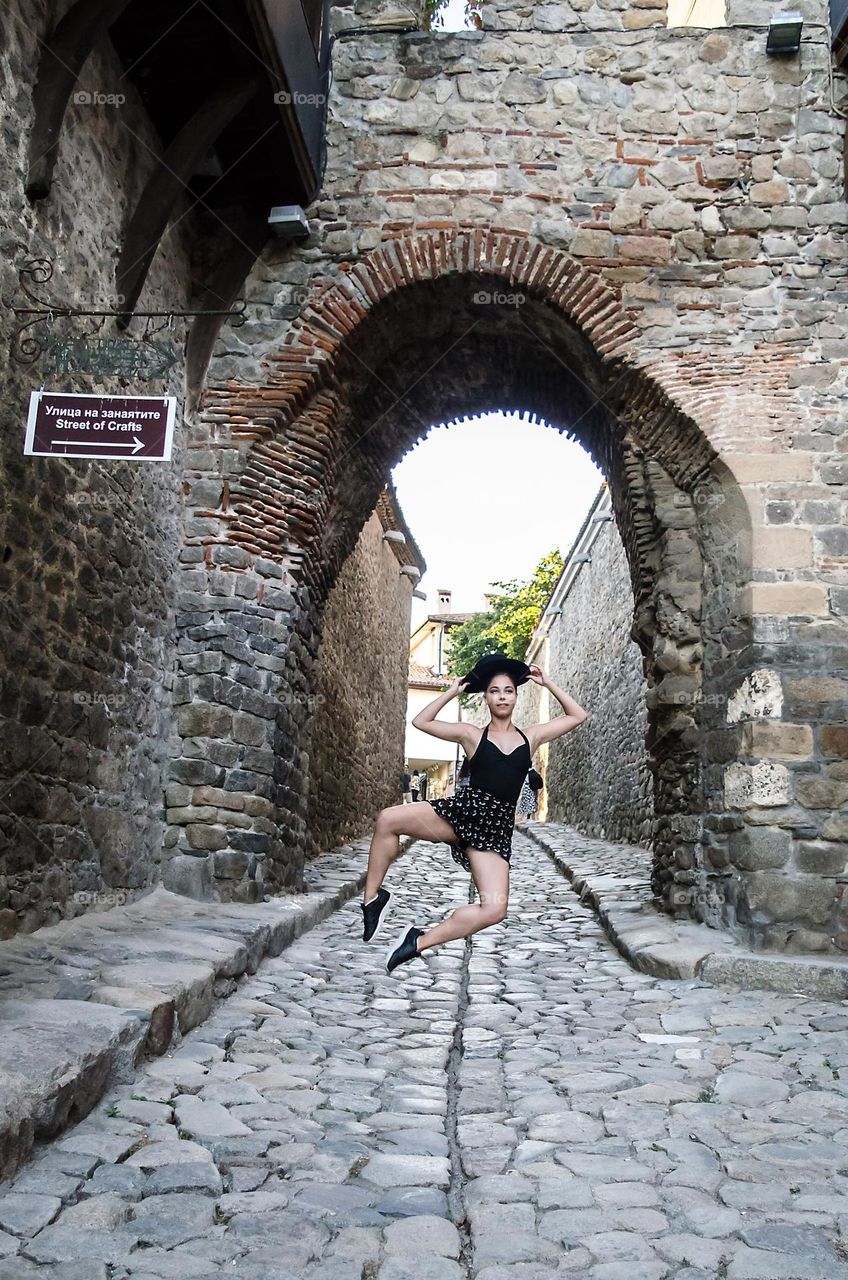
(486, 499)
(693, 13)
(453, 17)
(489, 514)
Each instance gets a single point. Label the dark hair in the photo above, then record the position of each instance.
(495, 675)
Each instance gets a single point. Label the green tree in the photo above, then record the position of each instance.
(508, 624)
(432, 10)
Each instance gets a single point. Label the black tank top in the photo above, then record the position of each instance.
(500, 773)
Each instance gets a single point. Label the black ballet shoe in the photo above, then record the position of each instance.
(403, 948)
(374, 913)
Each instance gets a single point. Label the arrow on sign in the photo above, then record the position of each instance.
(105, 444)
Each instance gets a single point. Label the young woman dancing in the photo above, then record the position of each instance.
(477, 822)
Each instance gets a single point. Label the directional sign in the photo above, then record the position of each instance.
(127, 357)
(89, 426)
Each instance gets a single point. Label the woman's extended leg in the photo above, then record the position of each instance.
(418, 819)
(491, 876)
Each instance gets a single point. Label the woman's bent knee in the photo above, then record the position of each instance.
(494, 915)
(386, 819)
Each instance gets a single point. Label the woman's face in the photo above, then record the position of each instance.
(500, 695)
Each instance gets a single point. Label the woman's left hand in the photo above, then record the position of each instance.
(537, 675)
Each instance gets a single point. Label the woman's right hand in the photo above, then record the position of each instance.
(457, 685)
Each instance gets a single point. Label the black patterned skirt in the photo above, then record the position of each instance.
(480, 820)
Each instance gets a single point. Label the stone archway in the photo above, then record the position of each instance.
(508, 324)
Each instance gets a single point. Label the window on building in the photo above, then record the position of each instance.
(697, 13)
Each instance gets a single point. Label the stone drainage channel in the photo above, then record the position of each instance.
(516, 1106)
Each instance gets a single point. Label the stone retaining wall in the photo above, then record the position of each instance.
(597, 778)
(357, 744)
(637, 234)
(88, 549)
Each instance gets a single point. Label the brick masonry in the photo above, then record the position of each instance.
(637, 234)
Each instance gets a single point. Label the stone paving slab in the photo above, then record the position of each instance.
(81, 1002)
(521, 1105)
(614, 879)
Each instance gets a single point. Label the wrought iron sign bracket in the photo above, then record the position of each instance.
(27, 347)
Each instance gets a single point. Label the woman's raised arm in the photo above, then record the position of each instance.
(451, 730)
(548, 730)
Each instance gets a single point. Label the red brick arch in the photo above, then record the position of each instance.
(289, 416)
(314, 467)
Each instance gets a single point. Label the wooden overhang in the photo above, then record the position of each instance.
(236, 90)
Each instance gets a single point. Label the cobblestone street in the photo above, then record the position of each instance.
(521, 1105)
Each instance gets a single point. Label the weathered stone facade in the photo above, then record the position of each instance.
(634, 233)
(598, 778)
(637, 235)
(89, 549)
(357, 743)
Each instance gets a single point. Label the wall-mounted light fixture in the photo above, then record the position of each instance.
(600, 516)
(583, 558)
(419, 595)
(288, 222)
(411, 571)
(394, 535)
(784, 32)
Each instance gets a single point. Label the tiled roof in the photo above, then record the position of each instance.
(423, 677)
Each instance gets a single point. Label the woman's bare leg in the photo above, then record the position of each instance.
(418, 819)
(491, 876)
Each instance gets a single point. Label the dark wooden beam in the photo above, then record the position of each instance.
(218, 294)
(62, 59)
(300, 72)
(169, 180)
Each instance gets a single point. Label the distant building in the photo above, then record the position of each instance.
(428, 650)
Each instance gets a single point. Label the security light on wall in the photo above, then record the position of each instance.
(585, 558)
(288, 222)
(419, 595)
(784, 33)
(411, 571)
(600, 516)
(394, 535)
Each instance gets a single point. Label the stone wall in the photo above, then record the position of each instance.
(637, 234)
(598, 778)
(357, 743)
(88, 548)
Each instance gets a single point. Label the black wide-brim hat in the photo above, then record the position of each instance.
(489, 665)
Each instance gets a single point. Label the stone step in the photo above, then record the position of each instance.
(614, 880)
(83, 1001)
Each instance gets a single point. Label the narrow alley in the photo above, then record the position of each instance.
(521, 1105)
